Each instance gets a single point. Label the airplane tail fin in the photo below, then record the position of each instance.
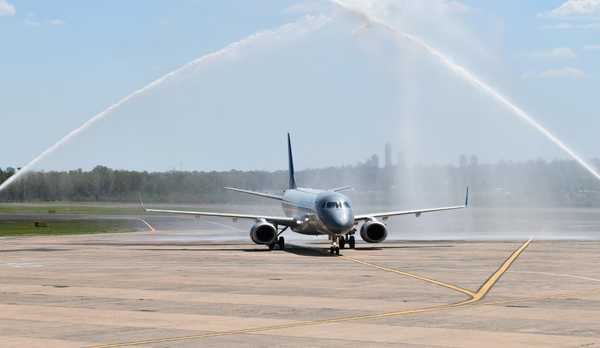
(292, 178)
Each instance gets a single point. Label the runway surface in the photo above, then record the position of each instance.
(165, 289)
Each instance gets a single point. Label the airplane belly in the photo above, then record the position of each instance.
(308, 232)
(311, 226)
(302, 211)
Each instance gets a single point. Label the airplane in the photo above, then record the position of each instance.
(313, 212)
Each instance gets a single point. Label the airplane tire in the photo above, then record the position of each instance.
(351, 242)
(331, 251)
(342, 242)
(281, 243)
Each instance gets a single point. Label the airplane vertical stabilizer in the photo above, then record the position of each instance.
(292, 178)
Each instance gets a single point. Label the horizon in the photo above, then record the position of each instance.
(595, 161)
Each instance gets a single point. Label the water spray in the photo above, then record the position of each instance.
(300, 27)
(469, 77)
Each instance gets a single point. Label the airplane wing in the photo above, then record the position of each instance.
(278, 220)
(254, 193)
(416, 212)
(340, 189)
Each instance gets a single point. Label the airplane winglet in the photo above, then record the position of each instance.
(467, 198)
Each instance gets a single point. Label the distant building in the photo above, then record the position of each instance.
(388, 155)
(373, 161)
(474, 161)
(400, 160)
(462, 161)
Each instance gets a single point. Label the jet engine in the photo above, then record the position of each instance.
(263, 233)
(373, 231)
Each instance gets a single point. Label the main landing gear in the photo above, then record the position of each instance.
(280, 243)
(349, 240)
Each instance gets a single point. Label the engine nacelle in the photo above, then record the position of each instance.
(263, 233)
(373, 231)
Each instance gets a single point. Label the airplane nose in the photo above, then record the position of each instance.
(340, 221)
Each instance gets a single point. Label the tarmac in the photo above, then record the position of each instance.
(169, 289)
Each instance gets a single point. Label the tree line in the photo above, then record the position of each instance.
(535, 183)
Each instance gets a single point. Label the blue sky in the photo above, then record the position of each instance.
(343, 89)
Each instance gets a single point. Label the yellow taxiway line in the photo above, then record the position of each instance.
(491, 281)
(415, 276)
(473, 297)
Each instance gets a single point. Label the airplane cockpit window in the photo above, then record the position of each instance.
(346, 204)
(332, 205)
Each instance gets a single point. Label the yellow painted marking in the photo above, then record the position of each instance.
(415, 276)
(475, 297)
(489, 283)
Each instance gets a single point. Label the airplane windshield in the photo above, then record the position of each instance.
(336, 205)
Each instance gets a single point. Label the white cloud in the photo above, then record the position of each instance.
(559, 26)
(7, 9)
(458, 7)
(591, 48)
(559, 53)
(56, 22)
(575, 15)
(32, 20)
(575, 8)
(573, 26)
(566, 72)
(560, 73)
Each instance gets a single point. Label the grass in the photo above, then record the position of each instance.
(16, 208)
(62, 227)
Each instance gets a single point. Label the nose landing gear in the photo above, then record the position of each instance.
(334, 249)
(340, 242)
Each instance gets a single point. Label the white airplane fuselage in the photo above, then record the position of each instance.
(321, 212)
